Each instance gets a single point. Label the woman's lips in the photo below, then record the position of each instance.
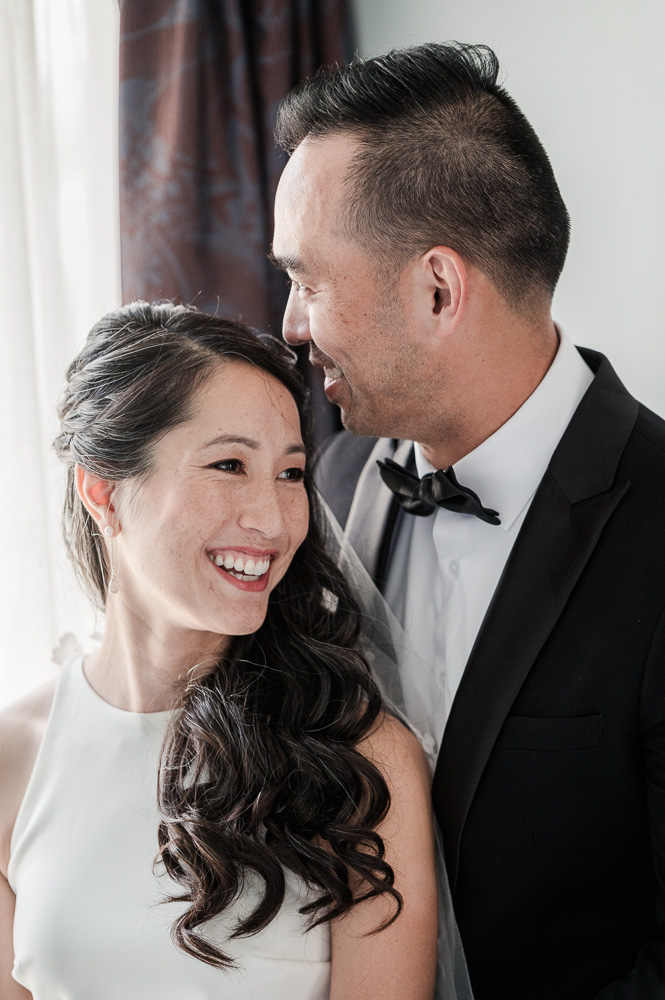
(252, 586)
(246, 569)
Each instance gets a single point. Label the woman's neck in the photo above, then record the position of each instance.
(143, 666)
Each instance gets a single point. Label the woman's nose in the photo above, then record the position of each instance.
(263, 510)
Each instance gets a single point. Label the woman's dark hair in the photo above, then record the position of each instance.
(261, 771)
(445, 158)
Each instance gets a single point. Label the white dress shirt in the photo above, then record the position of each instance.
(445, 568)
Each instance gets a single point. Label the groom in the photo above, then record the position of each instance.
(423, 231)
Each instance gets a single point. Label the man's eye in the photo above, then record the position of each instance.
(234, 465)
(298, 286)
(294, 475)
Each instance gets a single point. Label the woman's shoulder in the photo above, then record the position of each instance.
(26, 716)
(395, 750)
(22, 726)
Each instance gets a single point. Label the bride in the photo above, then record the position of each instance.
(214, 803)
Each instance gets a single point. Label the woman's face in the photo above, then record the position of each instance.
(211, 531)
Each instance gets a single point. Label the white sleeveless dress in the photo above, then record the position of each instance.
(89, 924)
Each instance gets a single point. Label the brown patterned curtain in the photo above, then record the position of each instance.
(200, 82)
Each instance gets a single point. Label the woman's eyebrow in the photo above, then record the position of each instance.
(292, 449)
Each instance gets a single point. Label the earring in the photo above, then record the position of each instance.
(113, 581)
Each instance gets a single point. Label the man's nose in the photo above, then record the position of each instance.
(295, 325)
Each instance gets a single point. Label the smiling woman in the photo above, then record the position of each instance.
(214, 803)
(236, 497)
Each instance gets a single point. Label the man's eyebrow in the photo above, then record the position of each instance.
(293, 449)
(288, 263)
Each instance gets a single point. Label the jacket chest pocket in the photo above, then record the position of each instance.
(523, 733)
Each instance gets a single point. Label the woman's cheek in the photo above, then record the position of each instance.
(301, 518)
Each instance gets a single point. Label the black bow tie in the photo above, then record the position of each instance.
(436, 489)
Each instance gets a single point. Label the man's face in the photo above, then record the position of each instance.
(353, 310)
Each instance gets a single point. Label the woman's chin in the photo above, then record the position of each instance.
(244, 624)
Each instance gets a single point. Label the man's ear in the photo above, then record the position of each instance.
(446, 278)
(96, 496)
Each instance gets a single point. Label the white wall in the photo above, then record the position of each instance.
(589, 76)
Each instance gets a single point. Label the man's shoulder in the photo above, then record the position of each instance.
(337, 467)
(643, 461)
(650, 427)
(610, 426)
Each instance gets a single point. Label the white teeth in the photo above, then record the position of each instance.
(332, 373)
(246, 569)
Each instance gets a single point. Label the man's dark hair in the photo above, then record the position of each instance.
(445, 158)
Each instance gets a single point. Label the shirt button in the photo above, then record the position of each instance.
(453, 567)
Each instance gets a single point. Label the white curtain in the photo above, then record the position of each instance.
(59, 271)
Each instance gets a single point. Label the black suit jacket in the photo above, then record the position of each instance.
(550, 783)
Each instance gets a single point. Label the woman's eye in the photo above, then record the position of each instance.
(294, 475)
(234, 465)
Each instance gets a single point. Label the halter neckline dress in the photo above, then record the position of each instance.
(89, 924)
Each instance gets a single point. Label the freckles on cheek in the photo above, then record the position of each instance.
(162, 554)
(183, 513)
(300, 521)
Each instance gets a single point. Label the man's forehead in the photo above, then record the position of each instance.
(308, 203)
(316, 170)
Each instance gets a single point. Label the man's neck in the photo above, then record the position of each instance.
(495, 389)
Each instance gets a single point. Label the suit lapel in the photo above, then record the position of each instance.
(373, 504)
(569, 511)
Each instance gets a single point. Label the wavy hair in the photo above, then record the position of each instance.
(260, 772)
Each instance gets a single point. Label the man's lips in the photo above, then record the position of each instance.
(332, 375)
(331, 371)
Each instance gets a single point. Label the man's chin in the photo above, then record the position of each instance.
(354, 422)
(353, 415)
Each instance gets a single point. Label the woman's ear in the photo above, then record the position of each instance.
(96, 495)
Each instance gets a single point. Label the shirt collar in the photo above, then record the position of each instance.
(506, 468)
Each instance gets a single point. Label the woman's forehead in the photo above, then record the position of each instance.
(240, 400)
